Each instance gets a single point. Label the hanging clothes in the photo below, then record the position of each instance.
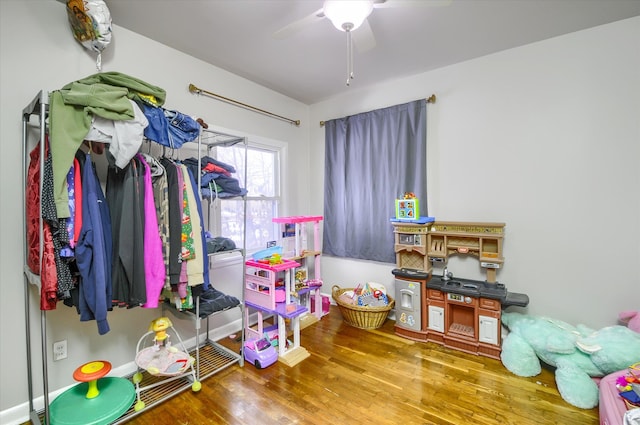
(77, 214)
(78, 165)
(188, 251)
(195, 264)
(48, 276)
(93, 252)
(125, 197)
(67, 250)
(182, 286)
(204, 253)
(161, 198)
(153, 262)
(59, 233)
(175, 222)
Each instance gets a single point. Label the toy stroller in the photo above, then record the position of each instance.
(157, 356)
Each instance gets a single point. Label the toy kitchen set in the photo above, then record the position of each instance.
(461, 314)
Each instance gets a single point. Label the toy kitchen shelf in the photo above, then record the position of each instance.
(418, 245)
(411, 245)
(481, 240)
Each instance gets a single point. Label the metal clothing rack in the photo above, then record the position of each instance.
(218, 358)
(38, 108)
(211, 139)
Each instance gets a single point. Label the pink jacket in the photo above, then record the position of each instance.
(154, 269)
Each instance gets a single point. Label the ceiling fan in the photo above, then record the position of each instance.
(349, 16)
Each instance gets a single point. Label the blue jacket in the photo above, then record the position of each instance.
(94, 251)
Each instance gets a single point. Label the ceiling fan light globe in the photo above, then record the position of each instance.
(347, 15)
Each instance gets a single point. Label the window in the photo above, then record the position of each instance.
(263, 196)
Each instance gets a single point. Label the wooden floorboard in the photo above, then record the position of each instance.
(356, 376)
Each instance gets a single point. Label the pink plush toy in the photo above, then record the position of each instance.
(631, 318)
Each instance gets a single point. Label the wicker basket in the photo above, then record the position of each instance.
(359, 316)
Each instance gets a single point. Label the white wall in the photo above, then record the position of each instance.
(545, 138)
(38, 52)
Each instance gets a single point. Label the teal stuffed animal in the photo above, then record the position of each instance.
(578, 353)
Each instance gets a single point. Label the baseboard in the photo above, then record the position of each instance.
(222, 331)
(19, 414)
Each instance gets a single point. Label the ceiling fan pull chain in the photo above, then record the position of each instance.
(349, 58)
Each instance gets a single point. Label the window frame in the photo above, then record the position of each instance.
(215, 210)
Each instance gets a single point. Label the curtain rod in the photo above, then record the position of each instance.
(430, 99)
(194, 89)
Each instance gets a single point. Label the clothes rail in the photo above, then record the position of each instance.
(194, 89)
(38, 107)
(430, 99)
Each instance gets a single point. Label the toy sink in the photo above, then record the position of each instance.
(478, 288)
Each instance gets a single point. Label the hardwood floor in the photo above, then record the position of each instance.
(357, 376)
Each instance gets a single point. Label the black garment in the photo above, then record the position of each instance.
(175, 222)
(59, 232)
(213, 300)
(125, 197)
(192, 165)
(72, 300)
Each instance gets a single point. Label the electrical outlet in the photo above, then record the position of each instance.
(60, 350)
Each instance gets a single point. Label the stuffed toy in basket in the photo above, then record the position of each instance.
(371, 316)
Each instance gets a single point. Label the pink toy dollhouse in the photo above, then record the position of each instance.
(263, 298)
(294, 242)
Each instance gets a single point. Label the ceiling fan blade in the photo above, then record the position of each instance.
(385, 4)
(299, 25)
(363, 37)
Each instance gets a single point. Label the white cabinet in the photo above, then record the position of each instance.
(488, 330)
(436, 318)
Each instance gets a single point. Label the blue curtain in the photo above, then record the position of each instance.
(371, 159)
